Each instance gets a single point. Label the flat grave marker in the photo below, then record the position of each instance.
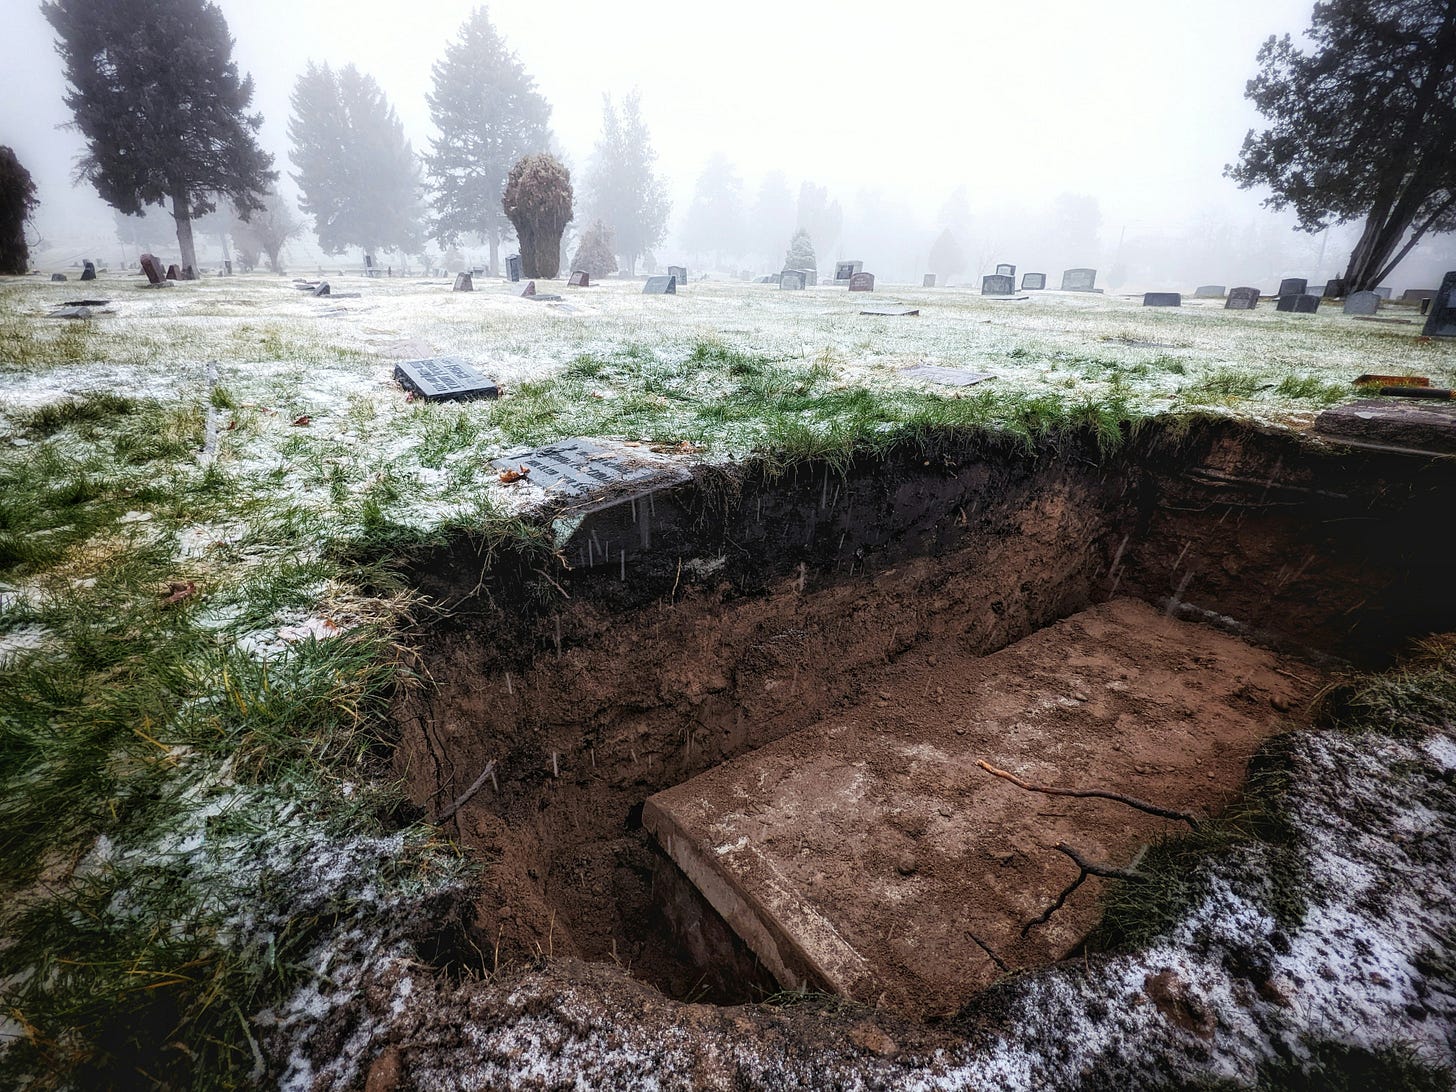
(1242, 299)
(581, 468)
(950, 377)
(891, 312)
(445, 379)
(1416, 426)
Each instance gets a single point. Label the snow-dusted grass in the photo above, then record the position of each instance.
(194, 494)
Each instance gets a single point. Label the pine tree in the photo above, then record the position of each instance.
(358, 174)
(267, 231)
(156, 94)
(946, 256)
(801, 252)
(623, 188)
(596, 253)
(1362, 127)
(489, 115)
(17, 202)
(537, 202)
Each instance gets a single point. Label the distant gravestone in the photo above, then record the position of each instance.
(1383, 292)
(1293, 286)
(1304, 303)
(843, 271)
(152, 267)
(1079, 280)
(88, 271)
(812, 275)
(1415, 295)
(1162, 299)
(464, 282)
(227, 267)
(580, 278)
(1033, 282)
(444, 378)
(173, 273)
(1362, 303)
(660, 286)
(1242, 299)
(928, 281)
(1441, 321)
(57, 278)
(791, 280)
(998, 284)
(1334, 289)
(513, 267)
(529, 290)
(1209, 292)
(892, 312)
(1006, 269)
(369, 269)
(322, 289)
(680, 272)
(862, 282)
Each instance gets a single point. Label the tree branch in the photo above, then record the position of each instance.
(1100, 794)
(1085, 868)
(464, 797)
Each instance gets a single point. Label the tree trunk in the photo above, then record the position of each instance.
(494, 239)
(182, 214)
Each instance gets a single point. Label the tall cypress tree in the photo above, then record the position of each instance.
(489, 115)
(17, 202)
(359, 175)
(163, 108)
(625, 190)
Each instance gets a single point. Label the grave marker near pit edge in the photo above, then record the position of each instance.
(1242, 299)
(660, 286)
(1361, 303)
(445, 378)
(1162, 299)
(843, 271)
(862, 282)
(998, 284)
(1441, 321)
(1033, 282)
(1079, 280)
(580, 468)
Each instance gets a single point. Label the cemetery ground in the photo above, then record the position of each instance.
(330, 756)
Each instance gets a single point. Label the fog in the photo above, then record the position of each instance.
(1051, 134)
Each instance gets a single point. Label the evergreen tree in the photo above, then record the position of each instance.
(715, 220)
(773, 215)
(537, 202)
(1361, 127)
(801, 252)
(17, 202)
(358, 174)
(596, 253)
(624, 190)
(489, 115)
(266, 232)
(157, 96)
(946, 256)
(822, 218)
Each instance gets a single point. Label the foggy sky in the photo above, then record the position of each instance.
(1136, 102)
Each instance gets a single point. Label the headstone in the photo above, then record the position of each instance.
(845, 270)
(1362, 303)
(680, 272)
(1441, 321)
(1383, 292)
(1415, 295)
(862, 282)
(1162, 299)
(88, 273)
(1305, 303)
(369, 270)
(513, 267)
(1033, 282)
(580, 278)
(1209, 292)
(998, 284)
(445, 378)
(892, 312)
(951, 377)
(660, 286)
(1293, 286)
(153, 269)
(322, 289)
(581, 468)
(464, 282)
(928, 281)
(1415, 425)
(791, 280)
(1334, 289)
(1242, 299)
(1005, 269)
(529, 290)
(812, 275)
(1079, 280)
(173, 273)
(227, 267)
(57, 278)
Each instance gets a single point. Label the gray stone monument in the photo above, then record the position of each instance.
(1334, 289)
(1079, 280)
(580, 278)
(998, 284)
(862, 282)
(1441, 321)
(1006, 269)
(844, 270)
(444, 378)
(1208, 292)
(680, 272)
(1303, 303)
(152, 267)
(513, 267)
(1162, 299)
(464, 282)
(1362, 303)
(1242, 299)
(1033, 282)
(57, 278)
(88, 271)
(322, 289)
(792, 280)
(1293, 286)
(660, 286)
(928, 281)
(1416, 295)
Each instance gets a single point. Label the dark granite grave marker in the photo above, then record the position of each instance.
(1006, 269)
(843, 271)
(513, 267)
(1162, 299)
(1209, 292)
(928, 281)
(57, 278)
(1441, 322)
(1079, 280)
(464, 282)
(1242, 299)
(445, 378)
(1362, 303)
(997, 284)
(791, 280)
(88, 271)
(1033, 282)
(580, 278)
(1305, 303)
(1334, 289)
(680, 272)
(153, 269)
(227, 267)
(173, 273)
(660, 286)
(1415, 426)
(584, 468)
(862, 282)
(951, 377)
(1293, 286)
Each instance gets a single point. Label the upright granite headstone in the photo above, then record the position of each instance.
(152, 267)
(1441, 320)
(680, 272)
(998, 284)
(660, 286)
(1208, 292)
(791, 280)
(529, 290)
(1162, 299)
(580, 278)
(173, 273)
(1334, 289)
(1303, 303)
(1006, 269)
(513, 267)
(1362, 303)
(57, 278)
(1242, 299)
(323, 289)
(464, 282)
(88, 271)
(1292, 286)
(845, 270)
(928, 281)
(1033, 282)
(1383, 292)
(1079, 280)
(227, 267)
(862, 282)
(1415, 295)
